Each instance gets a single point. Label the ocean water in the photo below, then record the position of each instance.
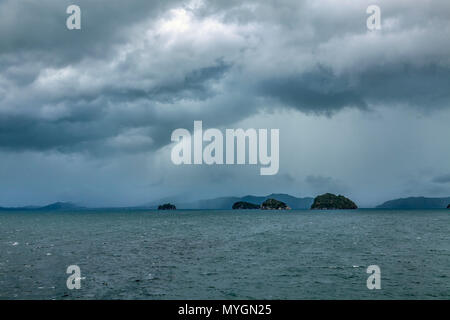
(225, 254)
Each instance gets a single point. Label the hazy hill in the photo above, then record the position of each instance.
(227, 202)
(416, 203)
(57, 206)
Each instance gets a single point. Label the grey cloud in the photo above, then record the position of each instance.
(318, 92)
(119, 73)
(321, 184)
(442, 179)
(425, 87)
(324, 92)
(194, 85)
(39, 27)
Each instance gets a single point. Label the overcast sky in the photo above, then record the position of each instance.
(86, 115)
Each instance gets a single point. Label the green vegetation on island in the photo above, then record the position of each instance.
(330, 201)
(240, 205)
(272, 204)
(57, 206)
(167, 206)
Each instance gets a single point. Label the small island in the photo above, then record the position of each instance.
(242, 205)
(448, 207)
(329, 201)
(167, 206)
(272, 204)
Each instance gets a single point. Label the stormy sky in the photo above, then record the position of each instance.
(86, 115)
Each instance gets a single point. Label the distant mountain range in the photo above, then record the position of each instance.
(57, 206)
(416, 203)
(226, 203)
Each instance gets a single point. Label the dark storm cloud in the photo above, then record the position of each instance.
(442, 179)
(322, 91)
(139, 69)
(195, 85)
(318, 92)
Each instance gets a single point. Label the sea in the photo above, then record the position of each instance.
(207, 254)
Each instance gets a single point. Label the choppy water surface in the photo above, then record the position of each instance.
(225, 254)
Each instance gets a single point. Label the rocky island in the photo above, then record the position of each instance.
(272, 204)
(242, 205)
(167, 206)
(329, 201)
(448, 207)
